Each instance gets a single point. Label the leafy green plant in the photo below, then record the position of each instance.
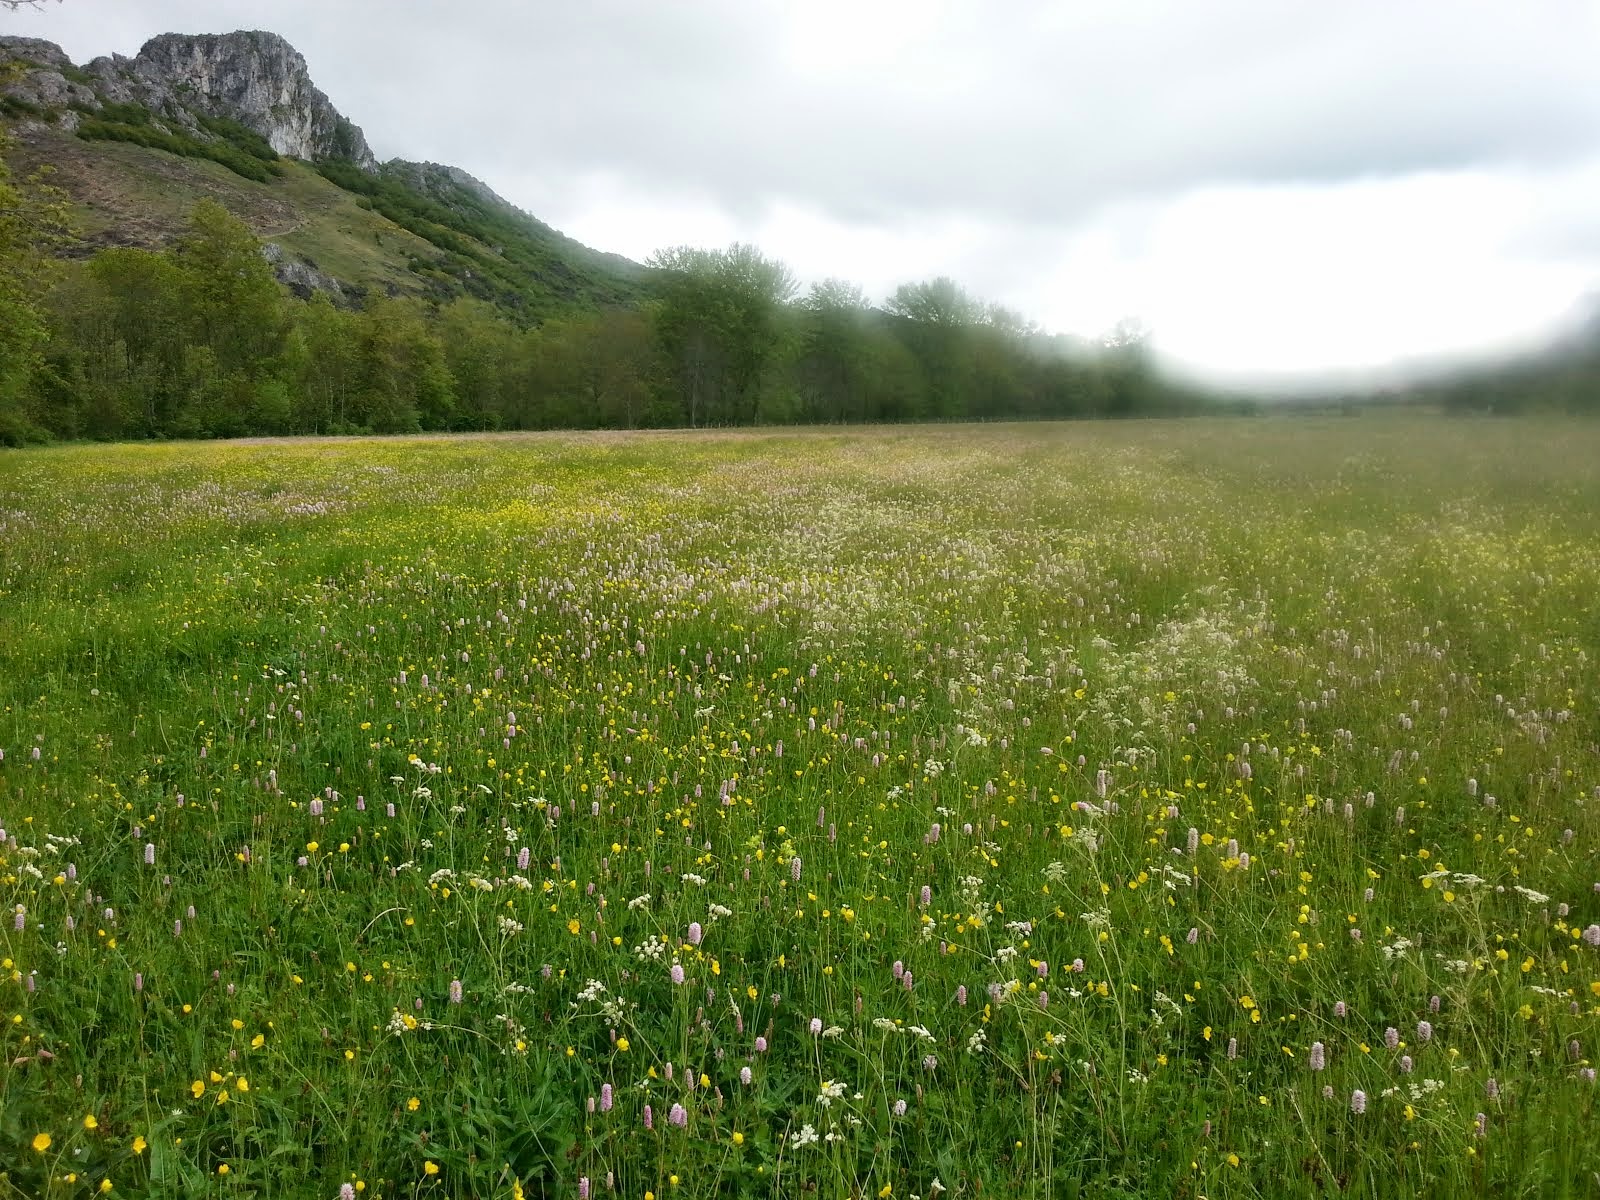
(241, 150)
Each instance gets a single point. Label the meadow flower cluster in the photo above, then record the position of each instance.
(1203, 809)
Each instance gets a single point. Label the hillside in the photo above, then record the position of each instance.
(135, 143)
(1563, 374)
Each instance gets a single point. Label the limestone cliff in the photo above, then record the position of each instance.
(257, 79)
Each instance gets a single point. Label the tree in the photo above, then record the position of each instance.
(22, 329)
(233, 302)
(128, 327)
(1130, 386)
(941, 303)
(321, 357)
(717, 318)
(479, 346)
(938, 318)
(404, 383)
(600, 367)
(32, 225)
(833, 369)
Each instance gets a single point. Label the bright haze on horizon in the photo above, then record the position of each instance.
(1275, 189)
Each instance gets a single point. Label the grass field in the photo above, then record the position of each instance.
(1143, 809)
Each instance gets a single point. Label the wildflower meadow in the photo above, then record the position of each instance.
(1169, 809)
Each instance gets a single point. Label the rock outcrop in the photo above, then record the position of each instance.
(255, 78)
(302, 277)
(36, 72)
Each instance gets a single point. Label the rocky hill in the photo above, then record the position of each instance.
(136, 142)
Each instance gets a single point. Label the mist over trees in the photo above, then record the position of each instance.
(200, 340)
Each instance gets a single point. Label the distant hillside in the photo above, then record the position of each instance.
(1562, 375)
(136, 142)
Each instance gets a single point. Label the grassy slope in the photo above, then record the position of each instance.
(124, 194)
(129, 195)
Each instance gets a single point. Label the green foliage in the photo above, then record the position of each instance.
(241, 150)
(121, 113)
(75, 74)
(1563, 380)
(493, 253)
(346, 141)
(32, 225)
(16, 106)
(241, 136)
(719, 319)
(404, 384)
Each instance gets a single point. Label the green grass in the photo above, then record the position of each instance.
(736, 681)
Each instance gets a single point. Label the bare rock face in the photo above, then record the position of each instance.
(35, 71)
(34, 50)
(255, 78)
(301, 277)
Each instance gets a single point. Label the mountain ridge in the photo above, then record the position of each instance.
(246, 101)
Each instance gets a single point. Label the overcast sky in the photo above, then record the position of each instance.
(1272, 186)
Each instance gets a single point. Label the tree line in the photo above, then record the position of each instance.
(200, 340)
